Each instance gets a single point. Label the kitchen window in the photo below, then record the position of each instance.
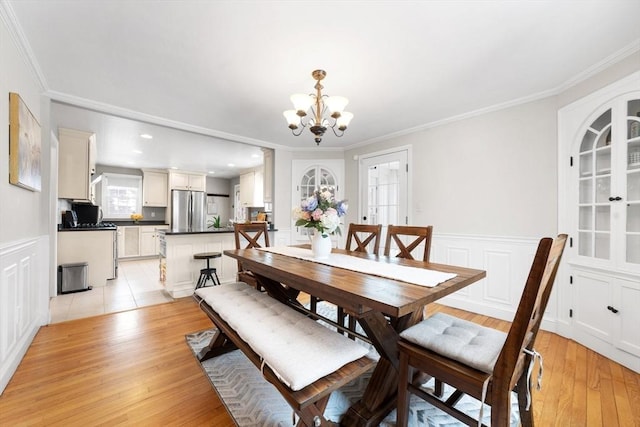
(121, 195)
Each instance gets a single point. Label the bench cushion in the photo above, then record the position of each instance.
(467, 342)
(298, 349)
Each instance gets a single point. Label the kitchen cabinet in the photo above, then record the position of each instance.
(128, 241)
(149, 240)
(154, 188)
(76, 164)
(187, 181)
(93, 247)
(251, 189)
(268, 175)
(139, 240)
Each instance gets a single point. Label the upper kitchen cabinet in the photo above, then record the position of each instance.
(187, 181)
(76, 163)
(251, 189)
(154, 188)
(268, 175)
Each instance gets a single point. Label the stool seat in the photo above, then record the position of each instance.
(207, 255)
(209, 272)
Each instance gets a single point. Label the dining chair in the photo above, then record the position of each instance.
(420, 234)
(250, 235)
(363, 235)
(479, 361)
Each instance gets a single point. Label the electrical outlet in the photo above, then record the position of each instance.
(153, 214)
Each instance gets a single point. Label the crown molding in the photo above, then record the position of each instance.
(600, 66)
(8, 17)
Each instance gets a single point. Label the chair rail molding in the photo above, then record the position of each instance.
(24, 299)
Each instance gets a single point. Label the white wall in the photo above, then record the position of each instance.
(25, 224)
(488, 175)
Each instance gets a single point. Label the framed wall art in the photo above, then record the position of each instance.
(25, 146)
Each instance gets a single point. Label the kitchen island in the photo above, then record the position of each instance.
(179, 271)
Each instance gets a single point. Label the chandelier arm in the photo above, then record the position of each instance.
(333, 128)
(293, 131)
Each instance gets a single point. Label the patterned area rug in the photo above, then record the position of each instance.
(254, 402)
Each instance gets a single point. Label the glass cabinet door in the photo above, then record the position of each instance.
(632, 226)
(594, 225)
(609, 186)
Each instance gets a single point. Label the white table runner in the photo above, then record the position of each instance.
(414, 275)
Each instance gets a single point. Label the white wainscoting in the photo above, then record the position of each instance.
(507, 262)
(24, 300)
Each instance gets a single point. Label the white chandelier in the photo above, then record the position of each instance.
(325, 111)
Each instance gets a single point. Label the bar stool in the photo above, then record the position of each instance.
(209, 272)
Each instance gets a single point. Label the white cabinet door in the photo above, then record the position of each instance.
(148, 243)
(129, 241)
(76, 163)
(251, 188)
(268, 175)
(154, 189)
(626, 316)
(187, 181)
(197, 182)
(591, 317)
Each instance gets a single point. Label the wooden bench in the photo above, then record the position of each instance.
(253, 322)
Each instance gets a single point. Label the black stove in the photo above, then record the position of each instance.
(101, 225)
(91, 226)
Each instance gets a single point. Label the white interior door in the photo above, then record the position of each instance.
(311, 175)
(384, 182)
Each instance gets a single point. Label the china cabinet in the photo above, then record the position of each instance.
(600, 207)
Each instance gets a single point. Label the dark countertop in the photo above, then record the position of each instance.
(211, 231)
(128, 223)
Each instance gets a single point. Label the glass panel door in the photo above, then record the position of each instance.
(383, 190)
(594, 206)
(632, 226)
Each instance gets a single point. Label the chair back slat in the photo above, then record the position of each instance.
(421, 234)
(363, 235)
(533, 303)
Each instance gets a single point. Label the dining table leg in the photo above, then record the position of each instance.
(380, 396)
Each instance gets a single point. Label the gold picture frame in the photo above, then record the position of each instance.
(25, 146)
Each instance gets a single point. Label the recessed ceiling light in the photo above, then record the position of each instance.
(174, 167)
(212, 172)
(254, 156)
(146, 136)
(232, 165)
(137, 151)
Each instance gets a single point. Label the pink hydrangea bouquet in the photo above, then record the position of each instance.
(320, 211)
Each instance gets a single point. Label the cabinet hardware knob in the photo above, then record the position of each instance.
(364, 218)
(611, 309)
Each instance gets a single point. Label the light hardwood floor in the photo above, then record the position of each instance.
(134, 368)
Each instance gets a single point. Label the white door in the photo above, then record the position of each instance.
(311, 175)
(384, 183)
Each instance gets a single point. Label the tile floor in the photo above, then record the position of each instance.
(137, 285)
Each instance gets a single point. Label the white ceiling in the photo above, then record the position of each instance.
(226, 69)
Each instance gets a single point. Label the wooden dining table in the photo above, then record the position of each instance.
(383, 307)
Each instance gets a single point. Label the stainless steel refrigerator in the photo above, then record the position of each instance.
(188, 210)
